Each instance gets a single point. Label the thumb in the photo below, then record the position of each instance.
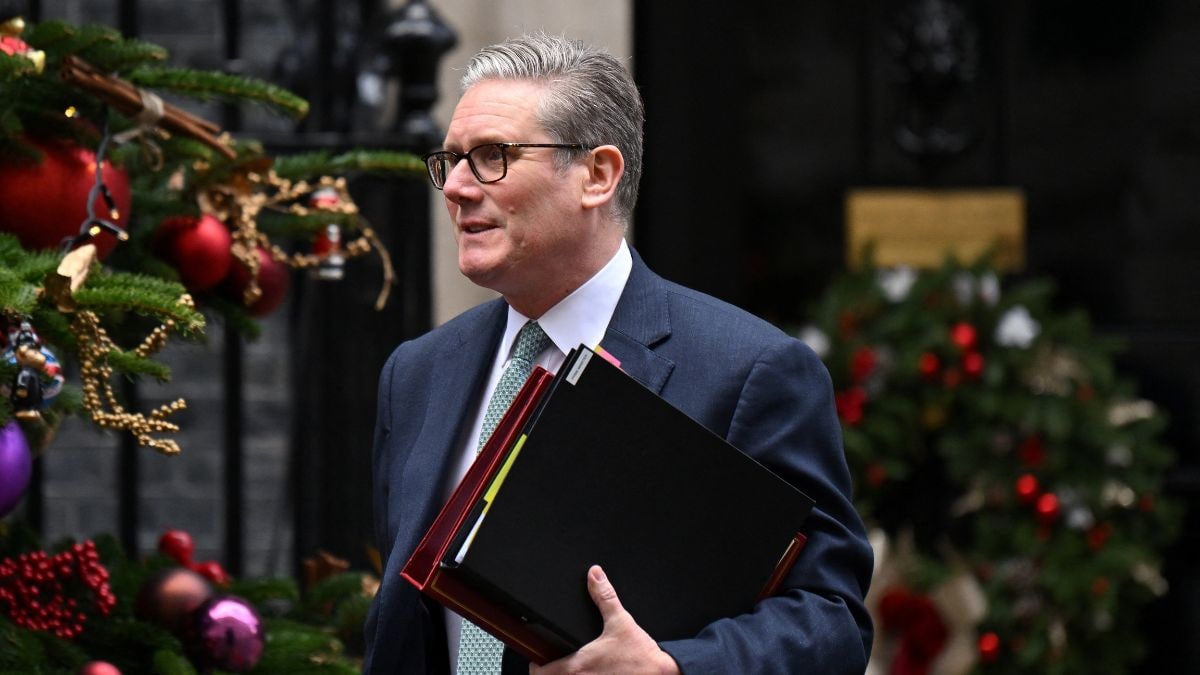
(603, 593)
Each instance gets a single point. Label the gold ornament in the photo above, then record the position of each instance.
(255, 187)
(13, 27)
(95, 374)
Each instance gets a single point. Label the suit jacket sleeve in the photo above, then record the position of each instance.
(785, 418)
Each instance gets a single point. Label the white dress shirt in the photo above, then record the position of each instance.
(580, 318)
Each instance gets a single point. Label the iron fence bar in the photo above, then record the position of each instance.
(232, 371)
(128, 452)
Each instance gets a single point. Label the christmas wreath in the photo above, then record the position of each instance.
(1012, 479)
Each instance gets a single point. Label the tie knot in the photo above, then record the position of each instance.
(531, 340)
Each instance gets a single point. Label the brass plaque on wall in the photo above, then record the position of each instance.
(920, 227)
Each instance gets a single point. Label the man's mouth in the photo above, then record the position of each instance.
(475, 227)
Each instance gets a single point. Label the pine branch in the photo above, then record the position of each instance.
(236, 317)
(277, 224)
(131, 364)
(332, 590)
(203, 85)
(50, 35)
(123, 54)
(263, 591)
(167, 662)
(375, 162)
(141, 294)
(72, 40)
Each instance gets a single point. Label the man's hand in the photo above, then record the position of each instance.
(623, 647)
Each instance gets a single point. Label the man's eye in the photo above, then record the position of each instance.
(492, 154)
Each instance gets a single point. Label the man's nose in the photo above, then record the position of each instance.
(460, 181)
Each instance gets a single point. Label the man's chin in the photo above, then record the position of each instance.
(480, 274)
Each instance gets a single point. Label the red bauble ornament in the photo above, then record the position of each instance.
(211, 570)
(1098, 535)
(989, 647)
(1032, 452)
(178, 545)
(876, 474)
(862, 363)
(952, 378)
(1027, 489)
(893, 607)
(972, 365)
(98, 668)
(168, 598)
(197, 247)
(43, 204)
(964, 336)
(847, 323)
(850, 404)
(1047, 508)
(928, 365)
(273, 279)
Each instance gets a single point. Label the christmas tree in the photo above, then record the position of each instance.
(1012, 478)
(125, 221)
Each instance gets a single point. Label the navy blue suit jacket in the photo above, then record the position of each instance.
(765, 392)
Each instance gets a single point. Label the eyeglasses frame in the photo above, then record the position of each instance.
(459, 156)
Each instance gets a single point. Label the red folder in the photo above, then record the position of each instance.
(424, 569)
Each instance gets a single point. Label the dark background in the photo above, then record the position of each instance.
(760, 116)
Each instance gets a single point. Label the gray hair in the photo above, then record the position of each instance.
(590, 98)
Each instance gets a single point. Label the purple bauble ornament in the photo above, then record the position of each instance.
(16, 466)
(227, 634)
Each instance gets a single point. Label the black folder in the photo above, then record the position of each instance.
(688, 528)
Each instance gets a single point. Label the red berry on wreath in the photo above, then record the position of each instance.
(178, 545)
(211, 570)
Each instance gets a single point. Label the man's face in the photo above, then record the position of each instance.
(515, 236)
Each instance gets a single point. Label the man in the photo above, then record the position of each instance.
(539, 171)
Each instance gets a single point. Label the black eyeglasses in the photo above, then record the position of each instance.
(489, 162)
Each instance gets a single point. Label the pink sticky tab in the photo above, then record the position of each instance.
(606, 356)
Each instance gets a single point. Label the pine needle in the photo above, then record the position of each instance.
(203, 85)
(377, 162)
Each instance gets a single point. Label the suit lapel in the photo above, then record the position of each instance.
(641, 320)
(466, 363)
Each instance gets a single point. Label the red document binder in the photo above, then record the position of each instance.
(424, 569)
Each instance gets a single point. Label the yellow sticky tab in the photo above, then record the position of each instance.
(503, 472)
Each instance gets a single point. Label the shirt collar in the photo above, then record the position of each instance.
(583, 316)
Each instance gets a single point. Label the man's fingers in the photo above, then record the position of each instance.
(603, 593)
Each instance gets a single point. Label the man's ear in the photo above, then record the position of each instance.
(605, 167)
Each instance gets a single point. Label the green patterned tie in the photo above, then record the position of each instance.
(478, 652)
